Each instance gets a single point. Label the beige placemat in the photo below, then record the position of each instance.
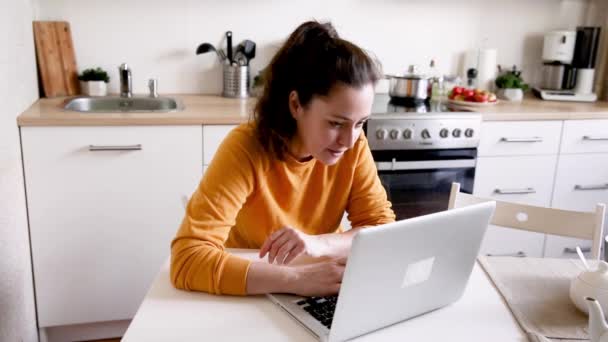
(538, 293)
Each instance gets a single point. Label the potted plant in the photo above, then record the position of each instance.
(510, 85)
(93, 82)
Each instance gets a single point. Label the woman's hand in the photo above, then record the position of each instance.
(287, 243)
(318, 279)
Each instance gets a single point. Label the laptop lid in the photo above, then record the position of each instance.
(407, 268)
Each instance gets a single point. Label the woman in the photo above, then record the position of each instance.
(283, 182)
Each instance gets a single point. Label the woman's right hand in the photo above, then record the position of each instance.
(319, 279)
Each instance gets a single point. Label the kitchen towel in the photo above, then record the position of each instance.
(537, 292)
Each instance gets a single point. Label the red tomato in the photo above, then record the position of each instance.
(457, 90)
(468, 92)
(481, 97)
(470, 98)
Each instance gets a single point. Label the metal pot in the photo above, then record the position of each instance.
(411, 86)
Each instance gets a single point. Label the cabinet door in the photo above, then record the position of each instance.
(584, 136)
(581, 182)
(104, 204)
(522, 179)
(519, 138)
(213, 135)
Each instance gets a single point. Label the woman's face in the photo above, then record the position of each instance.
(330, 125)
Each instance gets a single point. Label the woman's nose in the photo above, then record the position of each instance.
(348, 137)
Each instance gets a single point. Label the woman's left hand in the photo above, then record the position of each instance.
(287, 243)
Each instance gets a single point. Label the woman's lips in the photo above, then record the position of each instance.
(335, 153)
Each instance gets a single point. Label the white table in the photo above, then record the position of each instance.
(168, 314)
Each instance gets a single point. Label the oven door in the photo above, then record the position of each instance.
(419, 182)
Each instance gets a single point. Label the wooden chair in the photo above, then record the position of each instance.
(576, 224)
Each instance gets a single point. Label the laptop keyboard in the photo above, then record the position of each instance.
(321, 308)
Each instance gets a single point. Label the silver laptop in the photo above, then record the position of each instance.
(397, 271)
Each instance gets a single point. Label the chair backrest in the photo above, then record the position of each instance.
(576, 224)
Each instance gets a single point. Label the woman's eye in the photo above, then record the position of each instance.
(335, 124)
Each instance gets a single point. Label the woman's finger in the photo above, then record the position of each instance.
(285, 251)
(268, 243)
(299, 248)
(276, 245)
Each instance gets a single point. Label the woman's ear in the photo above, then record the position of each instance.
(295, 108)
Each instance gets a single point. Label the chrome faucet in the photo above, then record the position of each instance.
(126, 89)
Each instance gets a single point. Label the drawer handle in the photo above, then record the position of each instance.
(592, 138)
(519, 254)
(591, 187)
(570, 250)
(515, 191)
(97, 148)
(519, 140)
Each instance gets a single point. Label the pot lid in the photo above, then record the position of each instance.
(411, 74)
(597, 278)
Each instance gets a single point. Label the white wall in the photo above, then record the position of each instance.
(158, 37)
(18, 89)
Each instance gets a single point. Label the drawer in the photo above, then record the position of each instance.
(213, 135)
(503, 241)
(565, 247)
(581, 181)
(581, 136)
(520, 138)
(520, 179)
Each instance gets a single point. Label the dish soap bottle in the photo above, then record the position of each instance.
(437, 92)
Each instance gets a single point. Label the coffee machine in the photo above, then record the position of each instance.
(569, 65)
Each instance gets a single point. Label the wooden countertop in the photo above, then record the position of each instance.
(217, 110)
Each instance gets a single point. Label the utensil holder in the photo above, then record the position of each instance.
(236, 81)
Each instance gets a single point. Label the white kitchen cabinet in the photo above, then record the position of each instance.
(519, 179)
(516, 163)
(213, 135)
(585, 136)
(519, 138)
(581, 182)
(104, 204)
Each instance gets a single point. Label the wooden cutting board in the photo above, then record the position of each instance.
(56, 58)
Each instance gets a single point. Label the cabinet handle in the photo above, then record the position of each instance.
(592, 138)
(519, 254)
(571, 250)
(518, 140)
(97, 148)
(591, 187)
(515, 191)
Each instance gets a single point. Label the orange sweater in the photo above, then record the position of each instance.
(245, 195)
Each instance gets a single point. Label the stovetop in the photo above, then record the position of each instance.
(385, 105)
(402, 125)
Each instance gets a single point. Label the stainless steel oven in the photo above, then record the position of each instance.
(420, 150)
(418, 182)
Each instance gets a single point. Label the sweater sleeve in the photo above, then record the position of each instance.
(367, 202)
(198, 259)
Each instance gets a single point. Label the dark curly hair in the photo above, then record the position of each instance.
(312, 60)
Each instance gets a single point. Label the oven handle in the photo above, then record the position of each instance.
(395, 165)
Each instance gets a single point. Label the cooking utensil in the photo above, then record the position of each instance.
(249, 50)
(229, 46)
(411, 86)
(240, 58)
(204, 48)
(56, 58)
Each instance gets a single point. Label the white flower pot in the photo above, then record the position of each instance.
(510, 94)
(94, 88)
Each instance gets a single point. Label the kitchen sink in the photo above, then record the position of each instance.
(112, 104)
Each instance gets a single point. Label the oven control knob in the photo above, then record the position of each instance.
(394, 134)
(381, 134)
(456, 132)
(425, 134)
(407, 134)
(469, 133)
(444, 133)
